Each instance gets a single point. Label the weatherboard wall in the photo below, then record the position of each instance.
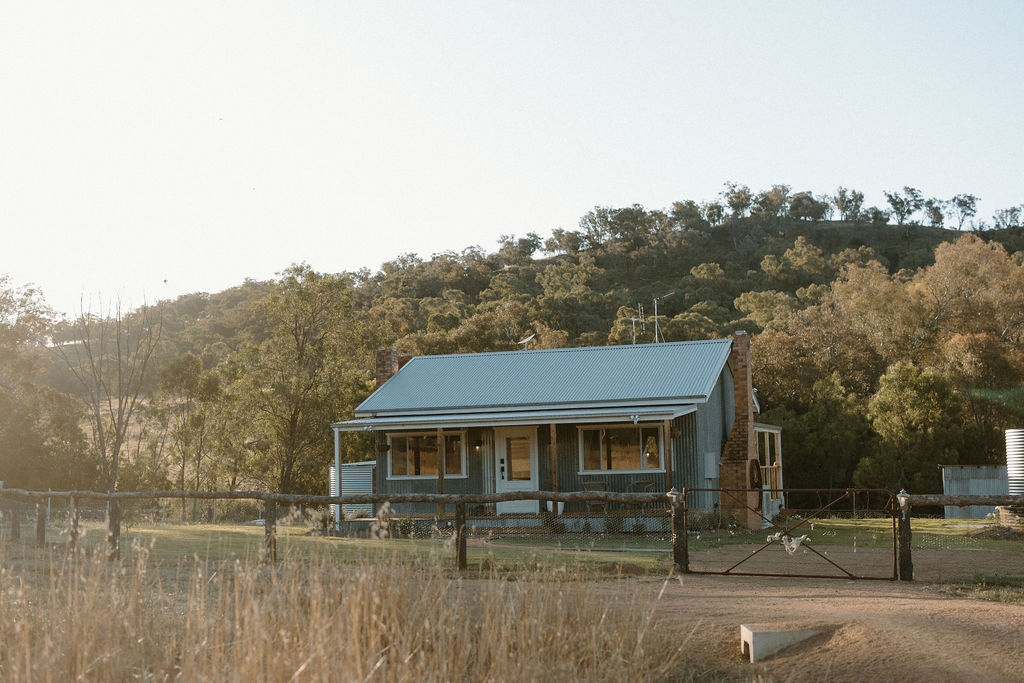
(684, 447)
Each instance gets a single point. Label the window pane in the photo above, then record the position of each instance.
(425, 455)
(399, 453)
(453, 454)
(622, 449)
(591, 449)
(651, 457)
(517, 451)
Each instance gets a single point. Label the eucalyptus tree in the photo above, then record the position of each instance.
(42, 441)
(110, 356)
(189, 397)
(962, 207)
(904, 204)
(848, 203)
(306, 374)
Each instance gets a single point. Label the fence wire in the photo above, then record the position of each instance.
(968, 550)
(844, 534)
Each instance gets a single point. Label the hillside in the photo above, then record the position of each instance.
(853, 325)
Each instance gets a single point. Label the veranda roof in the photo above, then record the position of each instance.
(510, 418)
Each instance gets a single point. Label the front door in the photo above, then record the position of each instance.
(515, 467)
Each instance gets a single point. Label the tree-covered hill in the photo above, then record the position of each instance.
(881, 348)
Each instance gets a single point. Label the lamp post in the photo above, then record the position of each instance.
(903, 498)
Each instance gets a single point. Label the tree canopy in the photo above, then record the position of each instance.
(882, 350)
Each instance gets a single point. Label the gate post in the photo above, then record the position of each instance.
(460, 536)
(906, 562)
(680, 542)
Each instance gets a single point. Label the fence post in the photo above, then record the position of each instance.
(113, 530)
(460, 536)
(72, 524)
(40, 526)
(906, 562)
(15, 514)
(270, 533)
(680, 549)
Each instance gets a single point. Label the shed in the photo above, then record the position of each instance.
(973, 480)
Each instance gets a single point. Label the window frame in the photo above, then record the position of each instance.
(463, 459)
(581, 469)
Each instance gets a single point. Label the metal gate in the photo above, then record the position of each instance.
(828, 536)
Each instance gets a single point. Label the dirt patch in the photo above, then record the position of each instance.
(871, 629)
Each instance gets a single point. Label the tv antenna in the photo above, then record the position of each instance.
(525, 341)
(639, 318)
(657, 327)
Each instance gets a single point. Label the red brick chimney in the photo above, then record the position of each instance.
(387, 364)
(741, 444)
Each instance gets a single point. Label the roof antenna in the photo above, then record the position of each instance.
(639, 318)
(657, 327)
(525, 341)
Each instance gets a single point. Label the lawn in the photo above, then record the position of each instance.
(170, 542)
(513, 551)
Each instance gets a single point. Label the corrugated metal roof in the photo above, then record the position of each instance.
(510, 380)
(517, 417)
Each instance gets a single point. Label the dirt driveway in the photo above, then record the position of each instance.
(872, 630)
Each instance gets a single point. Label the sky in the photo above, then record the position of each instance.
(151, 149)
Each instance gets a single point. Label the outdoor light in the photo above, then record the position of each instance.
(903, 497)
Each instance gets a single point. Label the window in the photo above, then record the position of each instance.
(622, 449)
(417, 455)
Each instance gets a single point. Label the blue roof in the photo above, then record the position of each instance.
(677, 372)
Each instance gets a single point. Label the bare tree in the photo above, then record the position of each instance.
(109, 356)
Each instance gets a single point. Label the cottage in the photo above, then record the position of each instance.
(645, 417)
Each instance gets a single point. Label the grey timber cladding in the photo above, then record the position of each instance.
(594, 375)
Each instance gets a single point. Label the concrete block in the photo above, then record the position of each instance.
(760, 642)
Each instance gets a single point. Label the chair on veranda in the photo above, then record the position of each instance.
(642, 486)
(596, 486)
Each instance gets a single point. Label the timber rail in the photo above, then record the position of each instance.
(674, 500)
(671, 499)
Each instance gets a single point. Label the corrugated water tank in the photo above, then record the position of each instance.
(1015, 461)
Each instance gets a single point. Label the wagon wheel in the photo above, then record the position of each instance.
(754, 477)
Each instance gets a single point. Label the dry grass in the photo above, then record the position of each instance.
(82, 618)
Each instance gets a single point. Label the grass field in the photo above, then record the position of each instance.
(196, 602)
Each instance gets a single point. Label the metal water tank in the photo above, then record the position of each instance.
(1015, 461)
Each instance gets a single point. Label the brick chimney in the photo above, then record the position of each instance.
(741, 444)
(387, 364)
(389, 361)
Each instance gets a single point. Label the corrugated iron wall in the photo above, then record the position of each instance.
(973, 480)
(357, 479)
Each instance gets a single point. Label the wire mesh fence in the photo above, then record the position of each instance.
(832, 533)
(990, 549)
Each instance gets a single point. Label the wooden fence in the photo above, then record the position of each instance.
(907, 503)
(674, 500)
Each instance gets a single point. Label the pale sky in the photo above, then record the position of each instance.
(205, 142)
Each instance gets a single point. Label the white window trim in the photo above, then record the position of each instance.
(462, 433)
(619, 425)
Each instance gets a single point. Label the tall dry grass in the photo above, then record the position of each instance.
(83, 618)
